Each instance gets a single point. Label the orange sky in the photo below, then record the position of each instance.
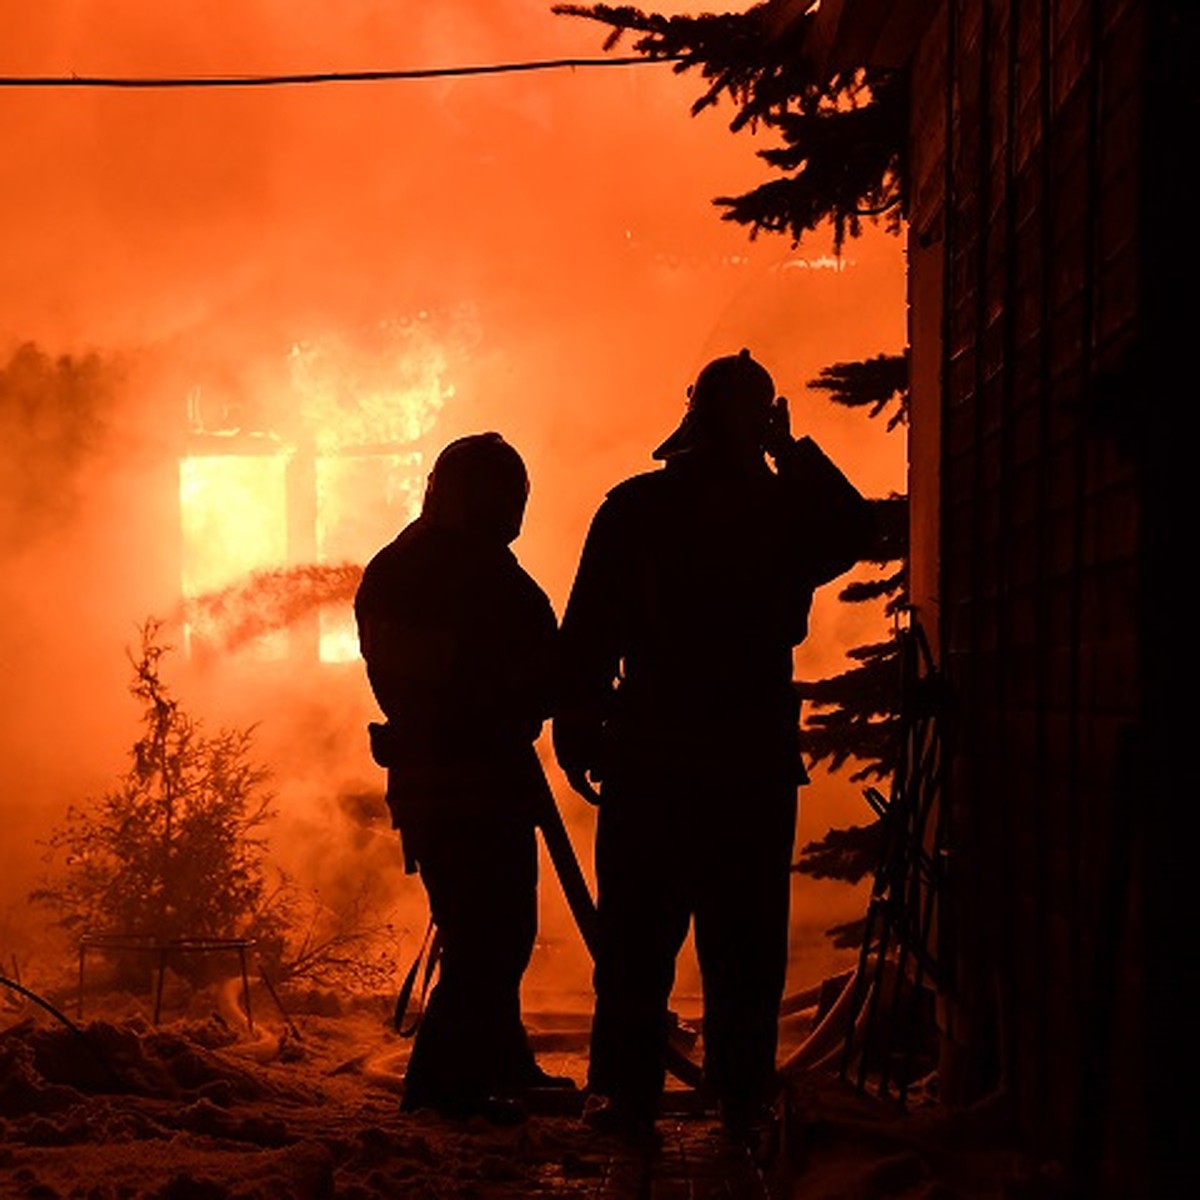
(556, 230)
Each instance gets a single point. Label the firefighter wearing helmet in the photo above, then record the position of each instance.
(458, 640)
(677, 715)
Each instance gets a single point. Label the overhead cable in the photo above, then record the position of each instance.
(134, 82)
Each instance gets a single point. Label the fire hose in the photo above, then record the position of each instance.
(817, 1049)
(579, 902)
(570, 877)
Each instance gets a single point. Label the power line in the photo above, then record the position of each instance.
(313, 77)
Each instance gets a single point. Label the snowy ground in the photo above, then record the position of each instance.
(201, 1109)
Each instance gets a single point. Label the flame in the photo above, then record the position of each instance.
(384, 386)
(362, 500)
(343, 472)
(233, 512)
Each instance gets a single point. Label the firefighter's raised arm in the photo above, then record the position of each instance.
(837, 520)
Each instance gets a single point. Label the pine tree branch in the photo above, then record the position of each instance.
(874, 383)
(843, 133)
(849, 855)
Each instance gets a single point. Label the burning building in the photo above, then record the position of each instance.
(280, 502)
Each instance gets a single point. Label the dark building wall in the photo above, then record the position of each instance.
(1024, 216)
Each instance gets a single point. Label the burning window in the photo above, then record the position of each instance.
(233, 511)
(289, 489)
(273, 544)
(362, 502)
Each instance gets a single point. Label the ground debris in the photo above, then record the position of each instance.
(197, 1116)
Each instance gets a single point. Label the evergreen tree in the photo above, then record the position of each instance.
(842, 134)
(842, 160)
(875, 383)
(176, 848)
(858, 711)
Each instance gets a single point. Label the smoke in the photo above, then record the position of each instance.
(54, 417)
(298, 272)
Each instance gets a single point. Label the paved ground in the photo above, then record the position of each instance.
(695, 1163)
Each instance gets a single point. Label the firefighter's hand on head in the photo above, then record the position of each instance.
(778, 437)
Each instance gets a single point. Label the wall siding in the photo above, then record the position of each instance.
(1029, 190)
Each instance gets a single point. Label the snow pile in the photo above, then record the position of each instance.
(202, 1109)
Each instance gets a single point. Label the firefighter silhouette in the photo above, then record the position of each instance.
(677, 714)
(457, 640)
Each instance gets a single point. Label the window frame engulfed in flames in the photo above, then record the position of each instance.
(304, 638)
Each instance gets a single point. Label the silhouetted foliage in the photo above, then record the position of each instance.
(176, 848)
(857, 713)
(875, 383)
(863, 718)
(843, 159)
(887, 587)
(843, 133)
(849, 854)
(353, 946)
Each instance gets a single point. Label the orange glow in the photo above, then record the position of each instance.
(389, 391)
(361, 501)
(342, 458)
(234, 521)
(358, 275)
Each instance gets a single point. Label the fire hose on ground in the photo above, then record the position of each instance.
(815, 1051)
(821, 1046)
(583, 910)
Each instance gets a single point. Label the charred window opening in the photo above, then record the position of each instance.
(233, 520)
(265, 518)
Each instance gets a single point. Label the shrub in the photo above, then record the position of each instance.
(177, 847)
